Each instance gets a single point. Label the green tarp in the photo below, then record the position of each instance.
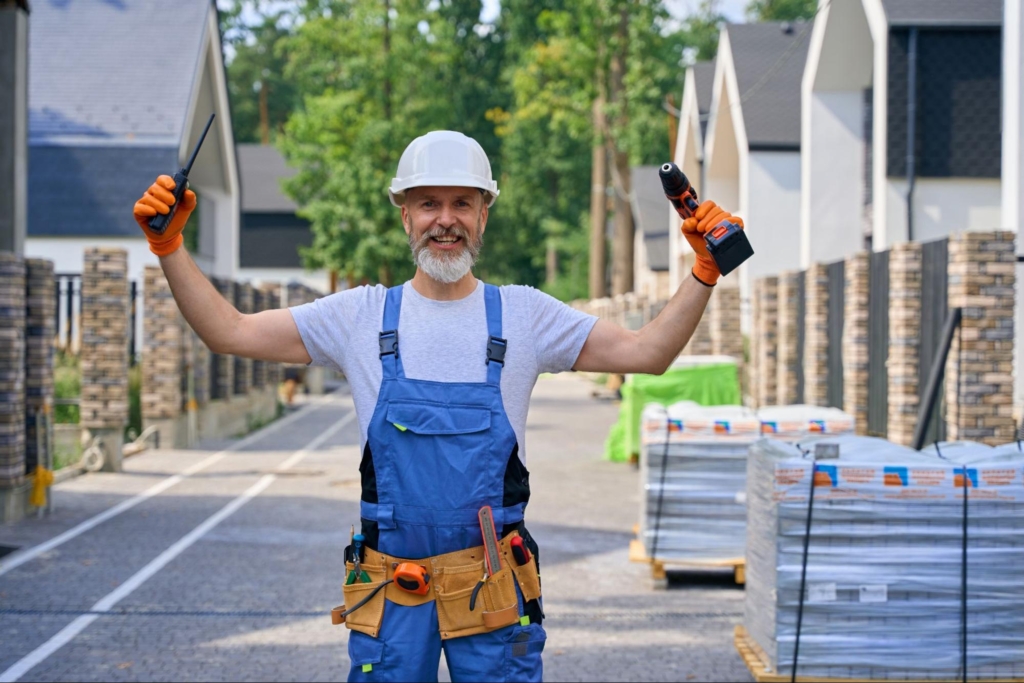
(715, 384)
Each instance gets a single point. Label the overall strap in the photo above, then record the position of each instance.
(496, 345)
(389, 357)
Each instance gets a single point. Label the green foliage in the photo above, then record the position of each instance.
(67, 383)
(781, 10)
(354, 81)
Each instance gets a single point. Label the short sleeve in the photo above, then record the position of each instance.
(559, 332)
(326, 324)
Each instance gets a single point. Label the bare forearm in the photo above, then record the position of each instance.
(209, 314)
(650, 350)
(662, 339)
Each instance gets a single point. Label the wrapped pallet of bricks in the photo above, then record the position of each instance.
(693, 474)
(878, 546)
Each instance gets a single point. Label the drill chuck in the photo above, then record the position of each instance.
(678, 190)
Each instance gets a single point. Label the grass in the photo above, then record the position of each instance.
(67, 381)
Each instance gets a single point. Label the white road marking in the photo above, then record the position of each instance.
(66, 634)
(17, 559)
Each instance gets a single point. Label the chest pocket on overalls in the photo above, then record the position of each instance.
(439, 436)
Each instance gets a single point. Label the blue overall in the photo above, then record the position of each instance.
(435, 454)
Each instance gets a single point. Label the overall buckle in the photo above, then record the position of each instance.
(496, 347)
(388, 343)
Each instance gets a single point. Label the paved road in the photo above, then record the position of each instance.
(228, 572)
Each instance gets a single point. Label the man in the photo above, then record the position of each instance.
(441, 370)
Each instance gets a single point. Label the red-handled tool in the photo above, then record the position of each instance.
(519, 550)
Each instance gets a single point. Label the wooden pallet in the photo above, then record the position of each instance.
(637, 553)
(757, 662)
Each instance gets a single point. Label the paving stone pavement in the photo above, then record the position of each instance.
(250, 599)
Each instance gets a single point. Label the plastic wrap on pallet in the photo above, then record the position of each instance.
(883, 589)
(702, 513)
(794, 422)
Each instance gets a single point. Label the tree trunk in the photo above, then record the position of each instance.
(599, 188)
(264, 115)
(551, 262)
(622, 244)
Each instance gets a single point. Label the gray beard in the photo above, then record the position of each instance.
(445, 268)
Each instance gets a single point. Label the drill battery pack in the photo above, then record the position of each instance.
(728, 246)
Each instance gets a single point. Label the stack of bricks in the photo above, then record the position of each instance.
(754, 367)
(200, 368)
(904, 340)
(855, 339)
(104, 354)
(259, 367)
(788, 358)
(12, 370)
(726, 337)
(816, 335)
(272, 300)
(767, 291)
(162, 349)
(979, 371)
(243, 366)
(222, 367)
(40, 330)
(700, 342)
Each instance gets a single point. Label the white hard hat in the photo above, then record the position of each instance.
(443, 158)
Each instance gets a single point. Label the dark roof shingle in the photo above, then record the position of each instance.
(944, 12)
(704, 80)
(261, 169)
(651, 214)
(769, 60)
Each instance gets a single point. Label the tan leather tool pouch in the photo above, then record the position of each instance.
(496, 604)
(367, 619)
(528, 578)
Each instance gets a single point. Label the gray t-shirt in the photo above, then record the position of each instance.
(444, 341)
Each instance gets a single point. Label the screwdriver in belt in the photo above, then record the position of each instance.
(357, 556)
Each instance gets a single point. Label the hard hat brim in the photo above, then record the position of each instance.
(398, 188)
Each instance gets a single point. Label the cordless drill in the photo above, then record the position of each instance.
(727, 242)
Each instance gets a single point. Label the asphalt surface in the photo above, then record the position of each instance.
(229, 572)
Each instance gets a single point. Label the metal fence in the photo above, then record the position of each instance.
(934, 309)
(836, 310)
(878, 344)
(68, 291)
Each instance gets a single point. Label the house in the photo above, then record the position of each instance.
(880, 73)
(752, 144)
(271, 233)
(119, 93)
(651, 238)
(689, 156)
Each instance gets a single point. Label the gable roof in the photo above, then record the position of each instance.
(117, 71)
(704, 80)
(651, 214)
(943, 12)
(769, 61)
(261, 168)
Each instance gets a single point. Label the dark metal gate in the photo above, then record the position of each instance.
(934, 309)
(801, 331)
(836, 305)
(878, 344)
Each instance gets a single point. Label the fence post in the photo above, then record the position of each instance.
(272, 300)
(12, 380)
(979, 370)
(904, 340)
(855, 340)
(816, 336)
(768, 309)
(259, 367)
(104, 355)
(223, 366)
(40, 330)
(726, 337)
(788, 358)
(161, 356)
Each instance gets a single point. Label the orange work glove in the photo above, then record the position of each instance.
(704, 219)
(158, 199)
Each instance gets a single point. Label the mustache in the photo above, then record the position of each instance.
(455, 231)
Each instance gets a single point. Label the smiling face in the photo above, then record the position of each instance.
(445, 226)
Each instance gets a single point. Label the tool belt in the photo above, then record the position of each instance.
(453, 585)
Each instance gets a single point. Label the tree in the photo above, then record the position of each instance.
(262, 98)
(781, 10)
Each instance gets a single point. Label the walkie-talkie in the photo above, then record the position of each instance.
(159, 222)
(727, 242)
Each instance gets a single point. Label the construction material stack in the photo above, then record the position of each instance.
(694, 475)
(693, 471)
(883, 594)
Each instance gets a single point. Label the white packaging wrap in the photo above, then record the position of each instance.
(884, 562)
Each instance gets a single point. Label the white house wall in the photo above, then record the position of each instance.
(689, 157)
(1013, 163)
(944, 206)
(772, 222)
(831, 215)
